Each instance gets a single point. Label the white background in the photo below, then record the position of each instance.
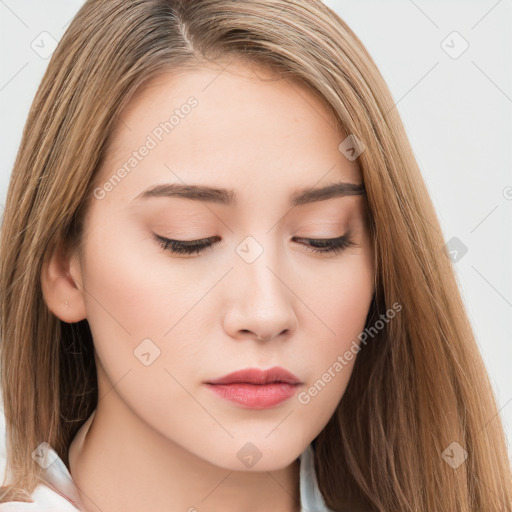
(457, 112)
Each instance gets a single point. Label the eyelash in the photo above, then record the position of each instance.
(323, 246)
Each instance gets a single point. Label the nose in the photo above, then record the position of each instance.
(260, 300)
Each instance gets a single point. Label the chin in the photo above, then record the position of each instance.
(257, 455)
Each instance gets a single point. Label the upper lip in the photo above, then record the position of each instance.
(258, 376)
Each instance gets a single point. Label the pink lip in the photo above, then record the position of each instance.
(256, 389)
(258, 376)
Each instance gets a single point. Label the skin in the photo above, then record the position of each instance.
(158, 435)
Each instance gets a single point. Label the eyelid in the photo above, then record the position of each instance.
(321, 246)
(201, 241)
(180, 246)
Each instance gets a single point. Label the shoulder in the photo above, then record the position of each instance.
(45, 500)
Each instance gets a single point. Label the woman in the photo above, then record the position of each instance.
(224, 283)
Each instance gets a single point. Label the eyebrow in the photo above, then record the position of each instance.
(229, 197)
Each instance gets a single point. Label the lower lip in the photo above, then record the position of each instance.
(255, 396)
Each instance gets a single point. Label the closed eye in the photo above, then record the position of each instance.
(316, 245)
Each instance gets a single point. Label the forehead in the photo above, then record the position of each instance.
(248, 124)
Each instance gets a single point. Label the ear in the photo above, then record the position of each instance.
(61, 283)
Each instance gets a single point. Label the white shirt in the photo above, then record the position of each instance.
(59, 493)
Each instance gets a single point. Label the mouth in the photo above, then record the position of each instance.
(258, 376)
(255, 388)
(255, 396)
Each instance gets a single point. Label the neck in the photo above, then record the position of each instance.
(120, 463)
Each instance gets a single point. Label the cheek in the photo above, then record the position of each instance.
(340, 305)
(137, 302)
(339, 294)
(140, 301)
(119, 289)
(132, 287)
(347, 297)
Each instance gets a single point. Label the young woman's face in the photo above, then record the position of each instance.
(164, 324)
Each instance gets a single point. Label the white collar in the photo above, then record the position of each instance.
(311, 499)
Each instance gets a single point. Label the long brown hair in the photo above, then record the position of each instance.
(416, 388)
